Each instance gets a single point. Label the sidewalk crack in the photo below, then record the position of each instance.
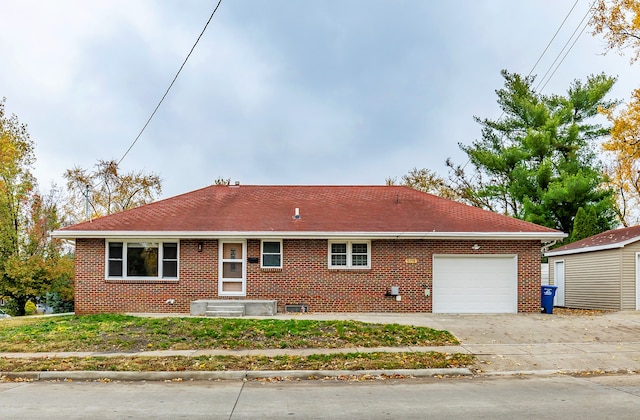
(235, 404)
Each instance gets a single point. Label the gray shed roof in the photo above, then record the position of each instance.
(611, 239)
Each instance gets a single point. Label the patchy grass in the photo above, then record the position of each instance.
(336, 361)
(117, 333)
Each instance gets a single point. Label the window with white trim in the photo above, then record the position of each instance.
(350, 254)
(271, 254)
(142, 260)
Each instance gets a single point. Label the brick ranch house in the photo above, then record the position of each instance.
(315, 248)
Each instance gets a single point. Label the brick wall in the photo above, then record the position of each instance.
(304, 278)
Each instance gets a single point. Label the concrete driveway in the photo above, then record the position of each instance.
(541, 328)
(511, 328)
(531, 342)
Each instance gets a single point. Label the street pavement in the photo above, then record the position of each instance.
(503, 344)
(478, 397)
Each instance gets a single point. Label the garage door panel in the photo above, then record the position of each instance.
(471, 284)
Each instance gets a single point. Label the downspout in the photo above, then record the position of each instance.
(548, 245)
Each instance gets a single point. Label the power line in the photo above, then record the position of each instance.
(553, 38)
(545, 51)
(589, 10)
(172, 82)
(549, 44)
(565, 56)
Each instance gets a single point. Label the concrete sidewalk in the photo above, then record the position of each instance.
(502, 344)
(491, 358)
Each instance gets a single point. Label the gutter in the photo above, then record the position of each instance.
(542, 236)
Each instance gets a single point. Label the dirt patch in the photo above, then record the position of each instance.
(580, 312)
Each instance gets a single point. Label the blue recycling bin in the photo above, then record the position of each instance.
(547, 293)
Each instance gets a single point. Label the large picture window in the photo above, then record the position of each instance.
(350, 254)
(271, 254)
(142, 260)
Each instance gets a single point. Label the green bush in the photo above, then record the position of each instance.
(10, 307)
(30, 308)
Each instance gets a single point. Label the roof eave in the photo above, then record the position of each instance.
(542, 236)
(615, 245)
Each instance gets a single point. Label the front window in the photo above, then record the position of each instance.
(359, 255)
(170, 259)
(349, 254)
(114, 266)
(339, 255)
(271, 254)
(142, 260)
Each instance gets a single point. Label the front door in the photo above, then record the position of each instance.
(232, 269)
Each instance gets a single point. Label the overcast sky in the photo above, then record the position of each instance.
(276, 92)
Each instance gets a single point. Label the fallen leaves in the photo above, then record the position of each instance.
(335, 361)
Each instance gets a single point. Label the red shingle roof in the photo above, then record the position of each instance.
(323, 209)
(616, 238)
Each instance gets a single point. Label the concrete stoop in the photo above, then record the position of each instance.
(233, 308)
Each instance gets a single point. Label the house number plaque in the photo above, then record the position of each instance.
(411, 260)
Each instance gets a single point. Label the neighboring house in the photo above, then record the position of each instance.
(329, 248)
(599, 272)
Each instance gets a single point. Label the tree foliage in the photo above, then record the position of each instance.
(31, 263)
(585, 224)
(107, 190)
(538, 162)
(624, 169)
(425, 180)
(222, 181)
(619, 22)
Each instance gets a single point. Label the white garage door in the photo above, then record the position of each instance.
(470, 284)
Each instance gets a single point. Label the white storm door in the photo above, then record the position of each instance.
(232, 270)
(558, 280)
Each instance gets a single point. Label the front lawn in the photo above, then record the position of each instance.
(121, 333)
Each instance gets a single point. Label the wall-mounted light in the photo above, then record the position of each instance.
(475, 247)
(200, 246)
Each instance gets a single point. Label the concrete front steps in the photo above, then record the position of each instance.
(233, 308)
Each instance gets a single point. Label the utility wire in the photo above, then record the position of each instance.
(544, 52)
(549, 44)
(589, 11)
(172, 82)
(86, 194)
(553, 38)
(565, 55)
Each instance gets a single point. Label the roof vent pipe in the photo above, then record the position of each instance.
(297, 213)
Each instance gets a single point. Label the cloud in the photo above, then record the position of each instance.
(276, 92)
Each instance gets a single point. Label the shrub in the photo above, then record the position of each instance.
(30, 308)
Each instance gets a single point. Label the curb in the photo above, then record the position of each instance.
(542, 372)
(227, 375)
